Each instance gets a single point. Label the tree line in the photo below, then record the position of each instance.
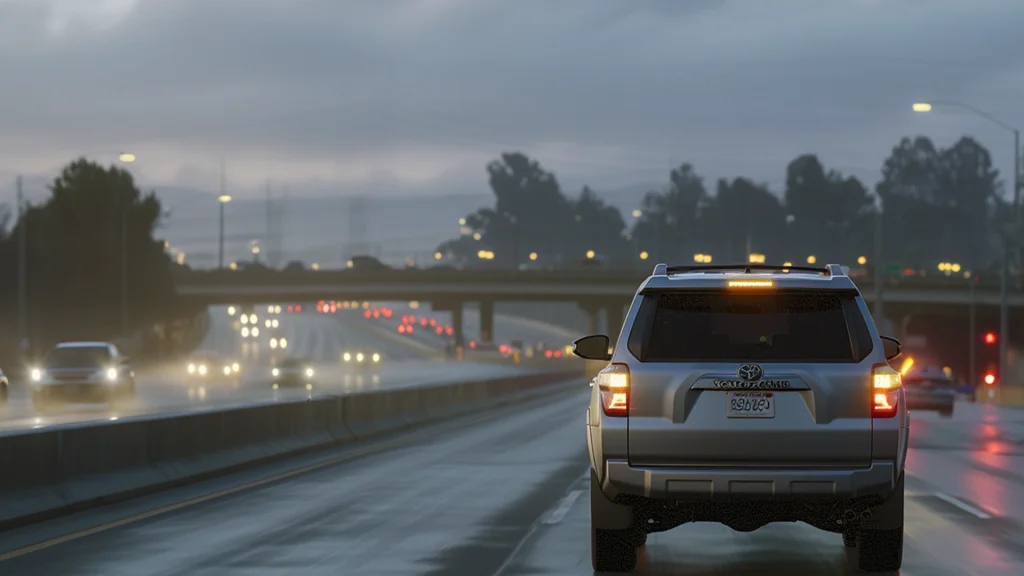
(931, 205)
(74, 245)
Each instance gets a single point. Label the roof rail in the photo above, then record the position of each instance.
(748, 268)
(835, 270)
(660, 269)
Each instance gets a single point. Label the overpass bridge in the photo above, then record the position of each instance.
(592, 290)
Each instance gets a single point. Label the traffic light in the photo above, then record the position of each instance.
(990, 338)
(990, 379)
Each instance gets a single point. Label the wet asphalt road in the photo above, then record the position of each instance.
(508, 495)
(322, 339)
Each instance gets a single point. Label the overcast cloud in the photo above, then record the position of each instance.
(415, 96)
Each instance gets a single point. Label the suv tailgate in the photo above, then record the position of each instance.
(727, 379)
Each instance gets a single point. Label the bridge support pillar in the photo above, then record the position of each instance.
(593, 312)
(487, 321)
(614, 315)
(457, 332)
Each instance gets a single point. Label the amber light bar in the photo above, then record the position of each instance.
(751, 284)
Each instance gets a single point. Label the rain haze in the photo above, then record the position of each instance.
(511, 287)
(404, 102)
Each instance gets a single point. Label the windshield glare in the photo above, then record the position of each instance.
(78, 357)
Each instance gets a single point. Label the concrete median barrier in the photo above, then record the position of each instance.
(55, 471)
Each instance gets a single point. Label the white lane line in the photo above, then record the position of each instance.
(963, 506)
(533, 529)
(559, 513)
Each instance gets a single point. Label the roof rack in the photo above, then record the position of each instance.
(828, 270)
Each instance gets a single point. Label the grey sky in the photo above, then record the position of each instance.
(414, 96)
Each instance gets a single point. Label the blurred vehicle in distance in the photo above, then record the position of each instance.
(366, 263)
(930, 389)
(361, 359)
(82, 372)
(294, 372)
(208, 365)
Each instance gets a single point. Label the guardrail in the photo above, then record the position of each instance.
(56, 471)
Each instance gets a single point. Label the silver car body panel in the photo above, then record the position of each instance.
(677, 441)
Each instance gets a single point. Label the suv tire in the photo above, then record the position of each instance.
(881, 550)
(612, 550)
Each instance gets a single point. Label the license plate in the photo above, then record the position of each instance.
(750, 404)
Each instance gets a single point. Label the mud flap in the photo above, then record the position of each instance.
(605, 514)
(889, 515)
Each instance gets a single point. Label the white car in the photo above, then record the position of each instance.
(90, 372)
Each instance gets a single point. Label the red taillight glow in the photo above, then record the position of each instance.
(885, 391)
(990, 379)
(613, 383)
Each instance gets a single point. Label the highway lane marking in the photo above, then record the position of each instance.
(963, 506)
(403, 439)
(559, 513)
(533, 529)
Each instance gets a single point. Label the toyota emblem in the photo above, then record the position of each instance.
(750, 372)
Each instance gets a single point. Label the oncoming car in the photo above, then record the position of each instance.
(90, 372)
(362, 359)
(212, 366)
(292, 372)
(746, 395)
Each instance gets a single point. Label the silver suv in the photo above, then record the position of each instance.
(746, 395)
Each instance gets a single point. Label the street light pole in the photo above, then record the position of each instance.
(22, 271)
(124, 271)
(222, 200)
(1006, 236)
(879, 274)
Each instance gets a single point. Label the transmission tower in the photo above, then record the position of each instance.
(357, 235)
(273, 240)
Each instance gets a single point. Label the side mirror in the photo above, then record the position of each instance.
(892, 347)
(592, 347)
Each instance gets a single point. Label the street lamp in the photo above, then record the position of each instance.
(812, 259)
(222, 200)
(125, 158)
(1014, 235)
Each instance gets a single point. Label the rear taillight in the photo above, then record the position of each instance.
(613, 382)
(885, 391)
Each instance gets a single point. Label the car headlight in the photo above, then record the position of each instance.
(235, 367)
(227, 370)
(359, 357)
(111, 373)
(275, 372)
(202, 369)
(36, 374)
(347, 357)
(245, 332)
(309, 372)
(376, 357)
(191, 368)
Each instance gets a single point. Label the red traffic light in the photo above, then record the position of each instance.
(990, 379)
(990, 338)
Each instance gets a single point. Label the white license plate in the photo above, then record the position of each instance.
(750, 404)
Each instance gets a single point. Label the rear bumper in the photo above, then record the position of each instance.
(701, 484)
(926, 401)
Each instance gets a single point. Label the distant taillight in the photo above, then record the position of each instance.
(885, 391)
(613, 382)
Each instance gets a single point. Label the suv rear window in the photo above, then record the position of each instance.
(735, 327)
